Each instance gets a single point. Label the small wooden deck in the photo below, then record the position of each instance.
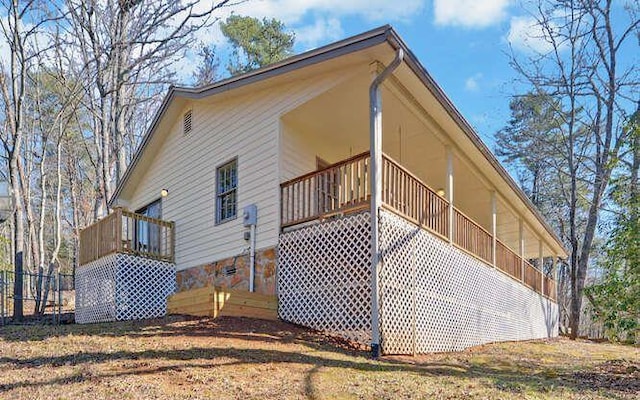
(126, 232)
(214, 302)
(345, 187)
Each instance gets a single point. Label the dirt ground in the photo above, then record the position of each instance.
(236, 358)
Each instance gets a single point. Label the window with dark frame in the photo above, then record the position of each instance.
(148, 236)
(226, 191)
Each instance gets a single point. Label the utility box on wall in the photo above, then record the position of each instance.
(250, 215)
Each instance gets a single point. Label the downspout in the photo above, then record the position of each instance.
(375, 129)
(252, 259)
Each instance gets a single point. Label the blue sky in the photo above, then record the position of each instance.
(462, 43)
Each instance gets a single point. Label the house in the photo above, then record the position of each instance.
(344, 182)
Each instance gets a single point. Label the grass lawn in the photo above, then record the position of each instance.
(235, 358)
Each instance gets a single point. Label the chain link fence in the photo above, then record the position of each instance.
(57, 295)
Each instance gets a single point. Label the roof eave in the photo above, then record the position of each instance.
(355, 43)
(417, 68)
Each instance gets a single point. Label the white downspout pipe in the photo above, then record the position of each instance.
(252, 259)
(375, 129)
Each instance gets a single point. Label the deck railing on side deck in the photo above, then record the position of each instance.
(345, 187)
(127, 232)
(340, 187)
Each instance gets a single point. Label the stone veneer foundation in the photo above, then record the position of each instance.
(217, 273)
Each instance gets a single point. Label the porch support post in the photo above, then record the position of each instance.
(375, 143)
(541, 266)
(494, 226)
(521, 245)
(449, 190)
(554, 274)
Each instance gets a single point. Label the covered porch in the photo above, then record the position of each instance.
(430, 177)
(344, 188)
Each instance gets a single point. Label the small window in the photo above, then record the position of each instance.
(187, 122)
(226, 191)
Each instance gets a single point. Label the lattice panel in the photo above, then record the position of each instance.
(123, 287)
(95, 290)
(324, 278)
(435, 297)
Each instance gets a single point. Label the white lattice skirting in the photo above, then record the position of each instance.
(433, 296)
(324, 278)
(123, 287)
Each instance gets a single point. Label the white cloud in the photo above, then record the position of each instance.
(37, 41)
(310, 36)
(472, 83)
(293, 11)
(315, 22)
(526, 35)
(470, 13)
(320, 19)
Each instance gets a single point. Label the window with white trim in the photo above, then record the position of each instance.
(226, 191)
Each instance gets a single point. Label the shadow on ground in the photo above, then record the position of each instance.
(327, 352)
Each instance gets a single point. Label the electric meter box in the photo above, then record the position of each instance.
(250, 215)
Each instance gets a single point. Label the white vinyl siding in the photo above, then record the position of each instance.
(297, 155)
(243, 127)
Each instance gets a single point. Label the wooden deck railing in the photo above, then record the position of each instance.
(127, 232)
(340, 187)
(345, 187)
(405, 194)
(550, 288)
(472, 237)
(532, 277)
(508, 261)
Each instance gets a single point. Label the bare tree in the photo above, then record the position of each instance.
(591, 91)
(126, 48)
(20, 36)
(75, 99)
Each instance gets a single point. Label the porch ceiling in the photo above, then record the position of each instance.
(335, 126)
(337, 122)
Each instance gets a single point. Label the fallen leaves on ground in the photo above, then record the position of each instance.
(237, 358)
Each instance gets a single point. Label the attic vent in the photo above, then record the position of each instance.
(230, 270)
(187, 122)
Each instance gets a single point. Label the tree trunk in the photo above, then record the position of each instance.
(18, 238)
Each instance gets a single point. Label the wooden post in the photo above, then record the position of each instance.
(96, 244)
(521, 245)
(541, 266)
(494, 227)
(118, 227)
(554, 273)
(173, 242)
(449, 189)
